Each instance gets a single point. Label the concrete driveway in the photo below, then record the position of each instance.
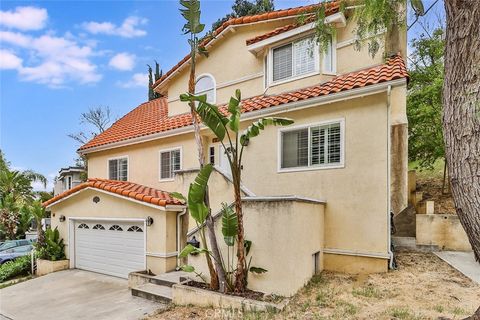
(73, 294)
(463, 262)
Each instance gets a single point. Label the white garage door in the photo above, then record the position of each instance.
(115, 248)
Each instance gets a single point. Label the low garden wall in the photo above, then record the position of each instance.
(287, 235)
(45, 266)
(442, 230)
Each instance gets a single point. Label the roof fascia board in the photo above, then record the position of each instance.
(258, 46)
(167, 208)
(298, 105)
(213, 41)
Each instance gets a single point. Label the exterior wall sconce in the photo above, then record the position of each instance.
(96, 199)
(149, 221)
(61, 218)
(194, 242)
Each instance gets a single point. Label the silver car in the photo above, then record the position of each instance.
(13, 253)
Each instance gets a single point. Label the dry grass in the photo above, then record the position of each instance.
(424, 287)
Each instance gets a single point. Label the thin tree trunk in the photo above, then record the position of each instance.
(240, 282)
(461, 119)
(217, 275)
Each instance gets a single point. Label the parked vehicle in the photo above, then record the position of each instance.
(10, 244)
(13, 253)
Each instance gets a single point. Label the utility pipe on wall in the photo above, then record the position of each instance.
(179, 215)
(389, 227)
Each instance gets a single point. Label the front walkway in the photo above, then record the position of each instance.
(73, 294)
(463, 262)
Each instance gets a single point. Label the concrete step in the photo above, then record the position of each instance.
(410, 244)
(153, 292)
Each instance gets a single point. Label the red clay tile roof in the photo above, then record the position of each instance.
(123, 188)
(245, 20)
(152, 117)
(332, 8)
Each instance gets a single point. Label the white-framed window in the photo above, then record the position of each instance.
(206, 85)
(68, 182)
(314, 146)
(118, 169)
(329, 57)
(297, 59)
(170, 161)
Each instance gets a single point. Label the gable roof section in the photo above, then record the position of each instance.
(123, 188)
(152, 117)
(333, 7)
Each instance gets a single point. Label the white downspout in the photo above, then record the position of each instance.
(389, 227)
(179, 215)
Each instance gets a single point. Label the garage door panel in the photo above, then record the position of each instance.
(108, 247)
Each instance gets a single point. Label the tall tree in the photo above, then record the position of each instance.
(95, 121)
(158, 74)
(424, 100)
(193, 27)
(461, 112)
(242, 8)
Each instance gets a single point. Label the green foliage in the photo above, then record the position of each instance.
(158, 74)
(241, 8)
(191, 13)
(424, 100)
(196, 195)
(18, 267)
(372, 17)
(54, 248)
(229, 224)
(254, 129)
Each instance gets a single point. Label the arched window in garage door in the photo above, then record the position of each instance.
(135, 229)
(83, 226)
(115, 227)
(98, 227)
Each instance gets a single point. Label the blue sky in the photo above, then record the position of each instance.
(59, 58)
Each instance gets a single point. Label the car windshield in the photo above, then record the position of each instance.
(7, 245)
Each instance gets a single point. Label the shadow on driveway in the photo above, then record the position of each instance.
(73, 294)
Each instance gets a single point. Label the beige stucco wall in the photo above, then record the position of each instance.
(442, 230)
(356, 193)
(284, 235)
(161, 235)
(231, 51)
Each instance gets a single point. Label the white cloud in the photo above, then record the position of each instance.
(122, 61)
(137, 80)
(54, 60)
(8, 60)
(24, 18)
(128, 29)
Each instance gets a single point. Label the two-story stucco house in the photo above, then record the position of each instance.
(317, 194)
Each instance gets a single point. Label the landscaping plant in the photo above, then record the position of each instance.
(18, 267)
(53, 248)
(226, 128)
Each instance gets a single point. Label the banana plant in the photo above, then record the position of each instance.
(227, 129)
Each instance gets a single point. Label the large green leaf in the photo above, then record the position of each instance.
(178, 195)
(229, 225)
(187, 268)
(191, 13)
(196, 195)
(254, 129)
(209, 114)
(235, 111)
(257, 270)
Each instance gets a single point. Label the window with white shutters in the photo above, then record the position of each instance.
(312, 146)
(170, 161)
(118, 169)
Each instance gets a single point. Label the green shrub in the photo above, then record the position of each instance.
(18, 267)
(53, 249)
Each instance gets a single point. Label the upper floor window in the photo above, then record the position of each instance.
(313, 146)
(298, 59)
(170, 161)
(206, 85)
(118, 169)
(68, 182)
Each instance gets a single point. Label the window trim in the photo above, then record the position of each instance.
(180, 148)
(214, 85)
(332, 72)
(118, 158)
(310, 167)
(316, 71)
